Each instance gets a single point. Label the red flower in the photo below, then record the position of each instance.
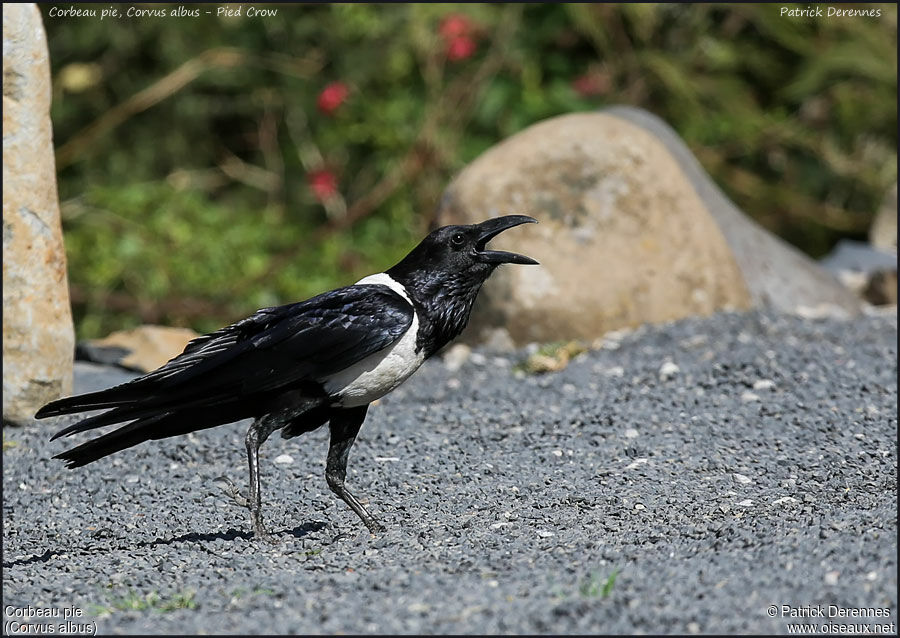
(332, 96)
(591, 84)
(459, 37)
(455, 25)
(460, 48)
(323, 183)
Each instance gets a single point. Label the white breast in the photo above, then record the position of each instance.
(382, 371)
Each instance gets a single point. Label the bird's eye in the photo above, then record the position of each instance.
(458, 240)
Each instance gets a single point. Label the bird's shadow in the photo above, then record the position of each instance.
(299, 532)
(229, 535)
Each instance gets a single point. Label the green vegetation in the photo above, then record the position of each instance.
(552, 357)
(209, 166)
(132, 601)
(240, 592)
(596, 587)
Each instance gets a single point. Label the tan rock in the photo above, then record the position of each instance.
(777, 274)
(38, 337)
(628, 233)
(883, 233)
(623, 238)
(146, 347)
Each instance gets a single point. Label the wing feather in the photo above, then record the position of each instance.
(271, 351)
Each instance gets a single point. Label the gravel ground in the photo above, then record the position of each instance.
(681, 479)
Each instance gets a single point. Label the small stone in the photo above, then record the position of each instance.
(693, 628)
(499, 340)
(615, 371)
(740, 478)
(545, 534)
(831, 578)
(745, 503)
(639, 507)
(456, 356)
(668, 370)
(557, 453)
(631, 433)
(636, 463)
(478, 359)
(764, 384)
(748, 396)
(284, 459)
(784, 499)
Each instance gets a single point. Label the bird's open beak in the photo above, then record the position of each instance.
(493, 227)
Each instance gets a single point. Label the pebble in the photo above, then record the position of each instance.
(456, 356)
(764, 384)
(284, 459)
(748, 396)
(784, 499)
(740, 478)
(668, 370)
(478, 359)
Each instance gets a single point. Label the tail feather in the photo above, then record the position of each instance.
(130, 412)
(156, 426)
(110, 443)
(111, 398)
(116, 415)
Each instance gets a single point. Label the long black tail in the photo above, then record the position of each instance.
(158, 426)
(117, 396)
(125, 437)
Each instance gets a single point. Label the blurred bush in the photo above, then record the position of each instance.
(209, 166)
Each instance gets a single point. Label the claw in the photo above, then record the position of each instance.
(231, 491)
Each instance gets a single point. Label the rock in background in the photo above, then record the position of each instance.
(143, 349)
(883, 234)
(38, 336)
(632, 231)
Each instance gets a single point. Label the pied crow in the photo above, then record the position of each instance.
(294, 367)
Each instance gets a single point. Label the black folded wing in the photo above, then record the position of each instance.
(270, 352)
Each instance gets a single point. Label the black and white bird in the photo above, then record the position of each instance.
(294, 367)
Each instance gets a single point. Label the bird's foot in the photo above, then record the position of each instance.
(266, 536)
(374, 526)
(232, 492)
(259, 529)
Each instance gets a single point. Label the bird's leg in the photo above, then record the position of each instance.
(259, 431)
(345, 426)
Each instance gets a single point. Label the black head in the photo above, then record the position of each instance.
(460, 252)
(444, 273)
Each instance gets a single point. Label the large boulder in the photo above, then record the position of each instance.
(632, 231)
(38, 337)
(883, 233)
